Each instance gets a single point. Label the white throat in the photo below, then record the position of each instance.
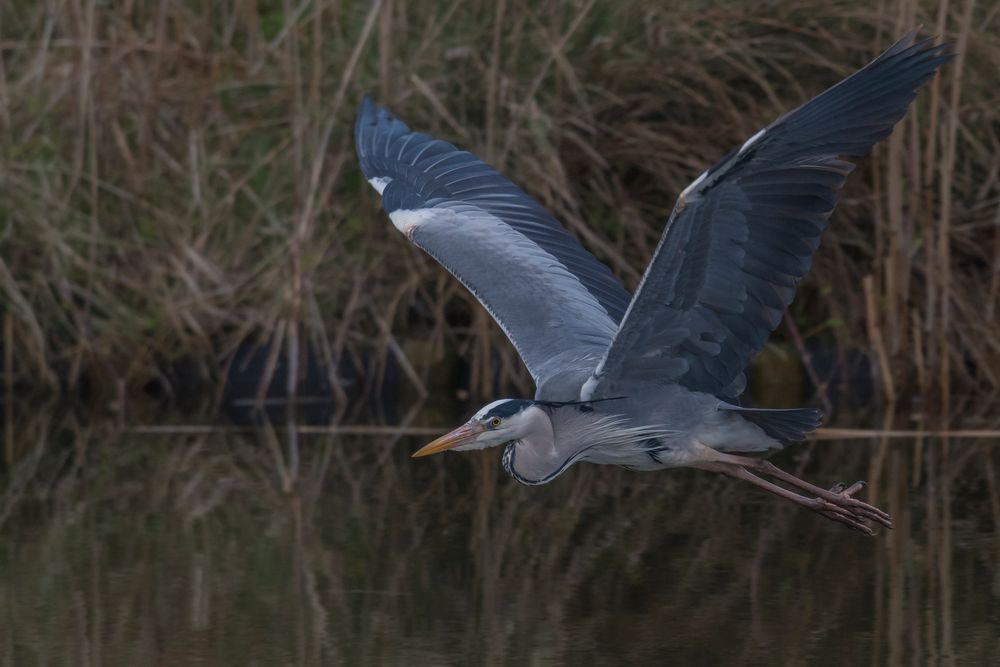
(532, 458)
(557, 440)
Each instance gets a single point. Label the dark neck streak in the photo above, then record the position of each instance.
(510, 452)
(508, 458)
(544, 463)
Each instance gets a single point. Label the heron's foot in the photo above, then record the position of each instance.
(854, 513)
(837, 504)
(840, 497)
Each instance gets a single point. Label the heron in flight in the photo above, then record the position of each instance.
(650, 380)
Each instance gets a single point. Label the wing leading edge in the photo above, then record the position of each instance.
(553, 299)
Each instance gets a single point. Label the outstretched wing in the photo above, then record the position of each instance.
(742, 235)
(549, 295)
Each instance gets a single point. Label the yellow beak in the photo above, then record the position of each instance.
(463, 434)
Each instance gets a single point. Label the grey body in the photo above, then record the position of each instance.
(666, 430)
(654, 428)
(650, 380)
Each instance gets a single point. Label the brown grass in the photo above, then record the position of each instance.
(177, 176)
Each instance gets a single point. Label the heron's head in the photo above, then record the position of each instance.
(498, 423)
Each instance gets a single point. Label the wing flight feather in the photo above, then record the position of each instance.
(552, 298)
(743, 234)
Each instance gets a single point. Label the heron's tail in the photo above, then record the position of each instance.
(782, 425)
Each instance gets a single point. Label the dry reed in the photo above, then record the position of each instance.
(179, 176)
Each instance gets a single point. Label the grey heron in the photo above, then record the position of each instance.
(651, 380)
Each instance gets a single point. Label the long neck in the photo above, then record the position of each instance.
(557, 438)
(536, 457)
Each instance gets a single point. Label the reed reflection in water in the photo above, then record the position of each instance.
(275, 547)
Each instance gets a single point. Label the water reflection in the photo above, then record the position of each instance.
(271, 546)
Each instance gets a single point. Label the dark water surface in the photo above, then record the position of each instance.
(228, 548)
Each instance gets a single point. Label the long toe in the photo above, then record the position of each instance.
(857, 508)
(843, 498)
(852, 489)
(868, 511)
(856, 524)
(837, 496)
(839, 514)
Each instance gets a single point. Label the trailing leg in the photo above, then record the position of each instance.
(836, 505)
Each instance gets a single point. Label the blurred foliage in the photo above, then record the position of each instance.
(179, 175)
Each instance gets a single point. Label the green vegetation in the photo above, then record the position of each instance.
(176, 176)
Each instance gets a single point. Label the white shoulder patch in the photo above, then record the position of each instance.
(587, 390)
(751, 141)
(694, 184)
(379, 183)
(407, 221)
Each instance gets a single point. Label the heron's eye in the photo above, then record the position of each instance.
(495, 422)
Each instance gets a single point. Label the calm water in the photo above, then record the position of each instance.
(227, 548)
